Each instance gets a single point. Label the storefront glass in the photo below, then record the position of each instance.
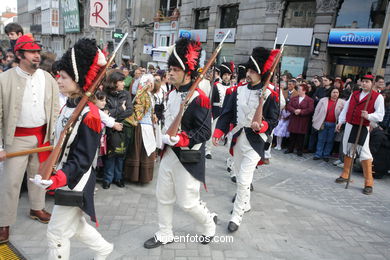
(361, 14)
(295, 60)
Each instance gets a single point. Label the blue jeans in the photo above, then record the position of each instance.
(325, 140)
(113, 168)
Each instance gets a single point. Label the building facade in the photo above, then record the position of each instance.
(59, 24)
(42, 19)
(324, 36)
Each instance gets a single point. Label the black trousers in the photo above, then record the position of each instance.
(296, 141)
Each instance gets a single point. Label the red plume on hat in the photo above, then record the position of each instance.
(26, 43)
(232, 66)
(192, 56)
(268, 64)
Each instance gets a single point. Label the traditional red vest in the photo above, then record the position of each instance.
(356, 107)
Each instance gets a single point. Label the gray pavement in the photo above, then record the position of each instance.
(298, 212)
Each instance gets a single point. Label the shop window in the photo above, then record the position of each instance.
(167, 6)
(295, 60)
(229, 16)
(361, 14)
(299, 14)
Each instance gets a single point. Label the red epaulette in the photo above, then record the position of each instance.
(92, 120)
(274, 94)
(203, 100)
(230, 90)
(216, 83)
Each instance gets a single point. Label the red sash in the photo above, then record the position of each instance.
(39, 132)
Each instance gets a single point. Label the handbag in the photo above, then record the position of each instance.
(69, 198)
(190, 156)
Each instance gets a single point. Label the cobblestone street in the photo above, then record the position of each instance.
(298, 212)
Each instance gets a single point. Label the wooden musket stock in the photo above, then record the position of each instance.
(26, 152)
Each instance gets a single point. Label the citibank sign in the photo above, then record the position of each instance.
(355, 38)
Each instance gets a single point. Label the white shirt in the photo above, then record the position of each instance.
(300, 99)
(32, 113)
(134, 88)
(378, 114)
(106, 119)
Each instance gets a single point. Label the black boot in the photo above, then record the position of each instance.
(234, 179)
(120, 183)
(153, 243)
(367, 190)
(105, 185)
(208, 239)
(232, 227)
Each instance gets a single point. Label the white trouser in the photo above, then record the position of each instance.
(67, 222)
(230, 164)
(209, 143)
(267, 153)
(245, 161)
(365, 153)
(175, 184)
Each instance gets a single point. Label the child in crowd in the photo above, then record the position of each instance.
(280, 130)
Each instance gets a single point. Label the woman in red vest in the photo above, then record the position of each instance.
(352, 113)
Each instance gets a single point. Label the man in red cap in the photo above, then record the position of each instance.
(351, 115)
(28, 110)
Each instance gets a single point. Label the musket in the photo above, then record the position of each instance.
(49, 166)
(174, 127)
(354, 147)
(258, 116)
(26, 152)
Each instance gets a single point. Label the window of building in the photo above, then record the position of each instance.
(167, 6)
(54, 18)
(299, 14)
(229, 16)
(361, 14)
(112, 11)
(201, 18)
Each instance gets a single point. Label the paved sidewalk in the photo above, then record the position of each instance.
(298, 212)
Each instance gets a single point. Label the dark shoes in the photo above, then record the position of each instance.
(341, 180)
(300, 154)
(4, 234)
(234, 179)
(232, 227)
(288, 151)
(208, 156)
(41, 215)
(105, 185)
(120, 183)
(153, 243)
(208, 239)
(367, 190)
(326, 159)
(316, 158)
